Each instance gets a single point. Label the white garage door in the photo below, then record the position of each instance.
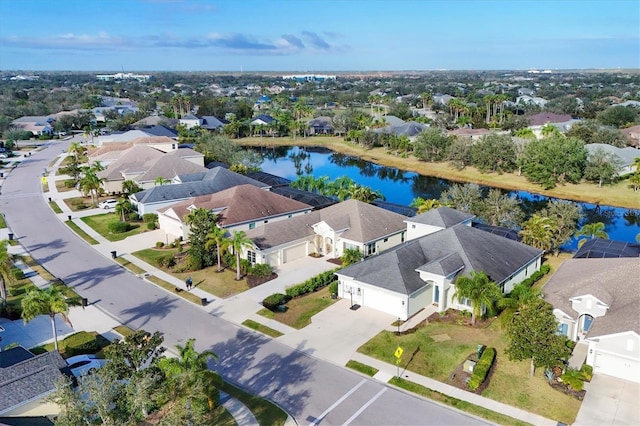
(615, 366)
(293, 253)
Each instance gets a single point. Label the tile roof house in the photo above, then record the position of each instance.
(37, 125)
(26, 380)
(627, 155)
(349, 224)
(110, 152)
(240, 208)
(187, 186)
(421, 272)
(596, 304)
(132, 135)
(143, 165)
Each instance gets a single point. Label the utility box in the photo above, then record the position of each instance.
(469, 366)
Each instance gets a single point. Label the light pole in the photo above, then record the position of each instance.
(398, 322)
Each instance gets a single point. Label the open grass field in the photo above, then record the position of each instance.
(438, 357)
(614, 195)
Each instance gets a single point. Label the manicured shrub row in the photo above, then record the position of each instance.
(272, 302)
(119, 227)
(536, 276)
(481, 370)
(312, 284)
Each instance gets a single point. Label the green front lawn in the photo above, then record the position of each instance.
(220, 284)
(80, 232)
(435, 349)
(301, 309)
(100, 224)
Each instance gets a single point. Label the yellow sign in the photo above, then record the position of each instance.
(44, 179)
(398, 352)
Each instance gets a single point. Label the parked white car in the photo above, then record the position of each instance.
(80, 365)
(108, 204)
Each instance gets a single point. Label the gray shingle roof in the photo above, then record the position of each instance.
(29, 379)
(444, 251)
(172, 164)
(362, 222)
(218, 179)
(444, 217)
(613, 281)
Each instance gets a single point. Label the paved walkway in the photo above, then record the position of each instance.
(334, 334)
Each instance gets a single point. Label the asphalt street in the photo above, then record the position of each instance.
(313, 391)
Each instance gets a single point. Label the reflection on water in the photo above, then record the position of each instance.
(402, 187)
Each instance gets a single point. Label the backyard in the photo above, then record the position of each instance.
(436, 349)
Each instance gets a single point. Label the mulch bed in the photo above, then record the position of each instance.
(253, 281)
(452, 316)
(459, 376)
(336, 261)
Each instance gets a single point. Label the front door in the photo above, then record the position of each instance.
(588, 320)
(436, 297)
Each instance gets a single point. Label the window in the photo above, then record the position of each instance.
(349, 246)
(359, 291)
(371, 249)
(402, 237)
(251, 257)
(252, 225)
(562, 329)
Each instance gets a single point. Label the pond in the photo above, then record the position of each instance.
(402, 187)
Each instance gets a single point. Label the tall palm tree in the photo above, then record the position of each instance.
(218, 237)
(592, 230)
(161, 181)
(426, 100)
(90, 183)
(76, 149)
(5, 269)
(130, 187)
(123, 208)
(479, 290)
(49, 301)
(239, 240)
(189, 378)
(538, 231)
(521, 296)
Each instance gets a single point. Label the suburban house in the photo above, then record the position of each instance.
(26, 380)
(110, 152)
(131, 135)
(596, 304)
(240, 208)
(410, 129)
(262, 120)
(320, 126)
(473, 134)
(144, 165)
(633, 136)
(207, 122)
(562, 122)
(627, 155)
(184, 187)
(442, 245)
(37, 125)
(156, 120)
(329, 231)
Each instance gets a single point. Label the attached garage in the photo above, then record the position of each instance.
(294, 252)
(617, 366)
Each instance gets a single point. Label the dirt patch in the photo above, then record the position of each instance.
(452, 316)
(336, 261)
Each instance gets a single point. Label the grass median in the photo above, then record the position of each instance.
(261, 328)
(176, 290)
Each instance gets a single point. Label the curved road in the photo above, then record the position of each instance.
(313, 391)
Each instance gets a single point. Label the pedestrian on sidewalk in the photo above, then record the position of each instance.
(189, 283)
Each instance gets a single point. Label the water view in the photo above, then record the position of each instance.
(402, 187)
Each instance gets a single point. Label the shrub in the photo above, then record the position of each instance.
(149, 218)
(151, 225)
(545, 269)
(17, 273)
(69, 183)
(587, 372)
(261, 270)
(119, 227)
(333, 287)
(229, 259)
(312, 284)
(159, 244)
(481, 370)
(272, 302)
(133, 216)
(573, 378)
(167, 261)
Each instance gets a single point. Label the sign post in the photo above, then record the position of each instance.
(398, 355)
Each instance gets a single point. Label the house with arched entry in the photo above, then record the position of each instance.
(327, 232)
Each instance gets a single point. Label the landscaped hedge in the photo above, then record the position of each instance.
(119, 227)
(312, 284)
(481, 370)
(536, 276)
(272, 302)
(17, 273)
(149, 218)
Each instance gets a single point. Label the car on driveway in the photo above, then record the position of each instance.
(108, 204)
(80, 365)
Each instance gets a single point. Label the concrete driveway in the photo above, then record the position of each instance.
(610, 401)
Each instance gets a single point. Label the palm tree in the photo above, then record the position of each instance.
(592, 230)
(161, 181)
(76, 149)
(218, 237)
(239, 241)
(425, 205)
(5, 270)
(480, 291)
(123, 208)
(364, 193)
(520, 297)
(189, 378)
(539, 232)
(426, 99)
(130, 187)
(90, 183)
(49, 301)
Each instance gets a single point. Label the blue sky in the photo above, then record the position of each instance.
(310, 35)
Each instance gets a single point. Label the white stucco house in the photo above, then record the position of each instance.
(596, 302)
(441, 246)
(240, 208)
(327, 232)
